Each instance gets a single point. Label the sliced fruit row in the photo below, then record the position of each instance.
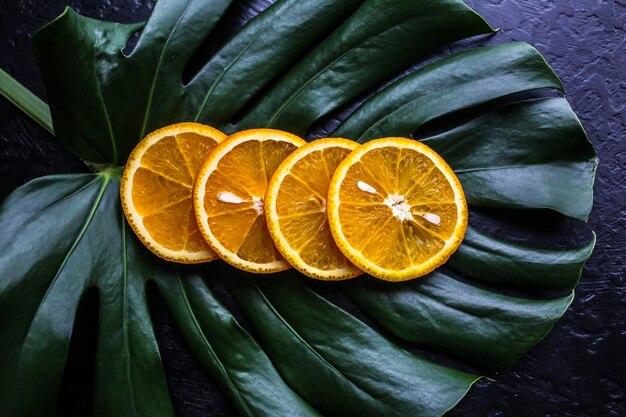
(264, 200)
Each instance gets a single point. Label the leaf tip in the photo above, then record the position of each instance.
(66, 12)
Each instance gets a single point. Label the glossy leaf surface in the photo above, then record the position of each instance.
(93, 246)
(327, 354)
(289, 67)
(483, 327)
(506, 264)
(458, 82)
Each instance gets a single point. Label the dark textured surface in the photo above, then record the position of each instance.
(579, 369)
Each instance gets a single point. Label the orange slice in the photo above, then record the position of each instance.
(295, 209)
(228, 197)
(396, 209)
(157, 189)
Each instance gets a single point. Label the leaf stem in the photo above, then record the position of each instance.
(26, 101)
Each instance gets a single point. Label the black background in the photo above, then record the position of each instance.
(578, 370)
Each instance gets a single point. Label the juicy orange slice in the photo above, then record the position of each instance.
(295, 209)
(396, 209)
(157, 188)
(228, 197)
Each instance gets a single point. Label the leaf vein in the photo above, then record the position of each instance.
(220, 365)
(106, 115)
(156, 71)
(309, 347)
(210, 92)
(127, 372)
(70, 252)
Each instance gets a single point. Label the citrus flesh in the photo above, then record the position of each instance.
(229, 195)
(157, 189)
(295, 210)
(396, 209)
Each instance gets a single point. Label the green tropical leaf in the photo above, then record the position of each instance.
(341, 365)
(558, 174)
(65, 234)
(376, 42)
(91, 246)
(483, 327)
(289, 67)
(507, 264)
(461, 81)
(226, 350)
(490, 153)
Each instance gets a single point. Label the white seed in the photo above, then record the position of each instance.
(228, 197)
(363, 186)
(433, 218)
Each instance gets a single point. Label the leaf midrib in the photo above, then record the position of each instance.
(520, 166)
(221, 367)
(311, 348)
(462, 309)
(156, 71)
(517, 256)
(106, 116)
(70, 252)
(326, 67)
(223, 74)
(125, 316)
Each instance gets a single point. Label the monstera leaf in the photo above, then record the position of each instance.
(295, 66)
